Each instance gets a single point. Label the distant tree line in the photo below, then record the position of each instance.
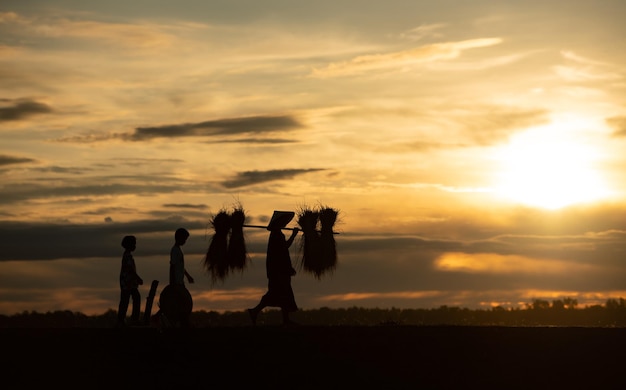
(562, 312)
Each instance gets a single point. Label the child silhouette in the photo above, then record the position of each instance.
(129, 283)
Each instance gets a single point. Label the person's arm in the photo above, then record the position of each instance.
(189, 278)
(294, 233)
(133, 271)
(138, 278)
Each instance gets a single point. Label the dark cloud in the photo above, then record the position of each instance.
(228, 127)
(8, 160)
(413, 244)
(23, 192)
(148, 161)
(185, 206)
(56, 169)
(90, 138)
(247, 178)
(618, 123)
(109, 210)
(20, 109)
(259, 141)
(220, 127)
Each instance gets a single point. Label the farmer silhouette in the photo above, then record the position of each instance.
(279, 269)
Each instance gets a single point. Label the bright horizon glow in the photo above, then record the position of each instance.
(550, 168)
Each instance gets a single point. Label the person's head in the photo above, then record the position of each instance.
(129, 243)
(181, 236)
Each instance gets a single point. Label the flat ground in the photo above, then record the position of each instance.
(362, 357)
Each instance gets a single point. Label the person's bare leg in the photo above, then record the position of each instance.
(254, 312)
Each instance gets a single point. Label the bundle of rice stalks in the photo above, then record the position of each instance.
(310, 243)
(237, 254)
(328, 247)
(216, 259)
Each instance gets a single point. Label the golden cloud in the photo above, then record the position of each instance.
(496, 263)
(400, 59)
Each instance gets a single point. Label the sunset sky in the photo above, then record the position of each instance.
(473, 149)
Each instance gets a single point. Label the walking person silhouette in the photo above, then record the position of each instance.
(279, 269)
(129, 283)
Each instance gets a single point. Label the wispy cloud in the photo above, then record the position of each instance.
(9, 160)
(618, 123)
(225, 130)
(401, 59)
(21, 108)
(124, 35)
(583, 69)
(247, 178)
(423, 31)
(492, 124)
(220, 127)
(62, 170)
(468, 125)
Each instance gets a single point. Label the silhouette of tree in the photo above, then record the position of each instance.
(558, 305)
(540, 304)
(570, 303)
(562, 312)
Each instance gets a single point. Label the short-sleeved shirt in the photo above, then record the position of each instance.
(128, 272)
(177, 266)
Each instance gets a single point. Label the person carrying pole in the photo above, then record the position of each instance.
(279, 270)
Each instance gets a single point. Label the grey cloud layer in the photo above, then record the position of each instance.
(585, 241)
(413, 264)
(112, 186)
(43, 241)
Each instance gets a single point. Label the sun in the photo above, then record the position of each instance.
(550, 167)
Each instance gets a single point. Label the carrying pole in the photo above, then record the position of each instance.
(285, 228)
(265, 227)
(149, 301)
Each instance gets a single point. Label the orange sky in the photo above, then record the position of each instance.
(473, 149)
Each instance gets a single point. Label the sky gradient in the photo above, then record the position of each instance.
(474, 150)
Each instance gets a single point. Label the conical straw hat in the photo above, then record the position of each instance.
(280, 219)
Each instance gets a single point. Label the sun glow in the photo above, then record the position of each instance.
(550, 167)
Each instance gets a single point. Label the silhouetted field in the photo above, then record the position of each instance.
(316, 357)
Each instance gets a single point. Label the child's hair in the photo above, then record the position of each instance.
(181, 233)
(129, 241)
